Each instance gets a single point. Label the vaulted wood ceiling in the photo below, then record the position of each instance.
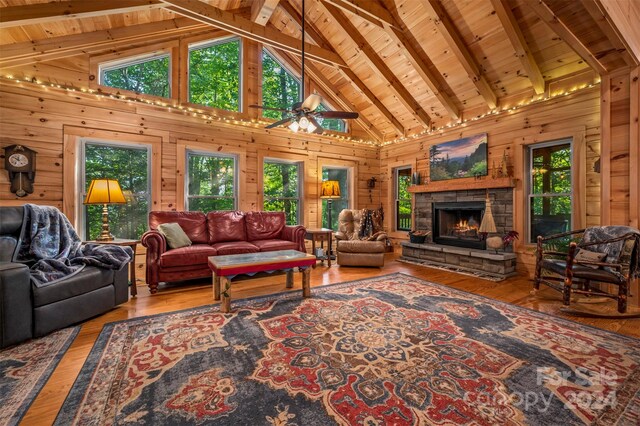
(404, 65)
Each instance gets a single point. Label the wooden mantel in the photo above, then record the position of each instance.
(464, 184)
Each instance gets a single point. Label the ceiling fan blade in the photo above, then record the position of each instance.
(269, 108)
(279, 123)
(312, 102)
(319, 128)
(338, 114)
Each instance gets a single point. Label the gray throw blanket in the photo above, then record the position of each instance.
(48, 239)
(628, 247)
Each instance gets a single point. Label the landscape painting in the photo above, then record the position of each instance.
(466, 157)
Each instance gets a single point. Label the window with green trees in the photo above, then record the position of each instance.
(342, 175)
(334, 124)
(214, 74)
(130, 166)
(550, 191)
(211, 182)
(280, 89)
(148, 75)
(282, 193)
(403, 198)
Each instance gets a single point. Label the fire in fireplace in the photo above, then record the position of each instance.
(456, 224)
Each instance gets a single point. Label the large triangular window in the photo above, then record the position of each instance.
(280, 88)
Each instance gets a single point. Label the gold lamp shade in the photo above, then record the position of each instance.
(105, 191)
(330, 189)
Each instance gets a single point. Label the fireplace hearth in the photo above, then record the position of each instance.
(457, 223)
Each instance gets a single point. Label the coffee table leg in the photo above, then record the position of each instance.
(290, 278)
(225, 304)
(216, 287)
(306, 286)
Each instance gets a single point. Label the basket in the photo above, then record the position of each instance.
(417, 239)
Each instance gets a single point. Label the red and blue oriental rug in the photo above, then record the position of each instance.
(391, 350)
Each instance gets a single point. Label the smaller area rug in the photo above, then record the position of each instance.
(25, 368)
(390, 350)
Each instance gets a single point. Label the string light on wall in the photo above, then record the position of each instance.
(208, 117)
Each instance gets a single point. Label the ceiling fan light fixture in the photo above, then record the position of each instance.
(304, 122)
(311, 128)
(294, 126)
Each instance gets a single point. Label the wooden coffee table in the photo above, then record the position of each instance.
(226, 267)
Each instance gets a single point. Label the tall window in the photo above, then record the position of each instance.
(214, 74)
(402, 180)
(342, 175)
(335, 124)
(212, 182)
(549, 188)
(147, 74)
(130, 166)
(282, 192)
(280, 89)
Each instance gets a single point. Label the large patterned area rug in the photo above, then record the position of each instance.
(391, 350)
(25, 368)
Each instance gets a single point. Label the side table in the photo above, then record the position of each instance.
(320, 235)
(132, 266)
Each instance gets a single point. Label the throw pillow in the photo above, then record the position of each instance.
(174, 234)
(589, 256)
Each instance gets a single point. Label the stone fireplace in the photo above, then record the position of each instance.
(456, 224)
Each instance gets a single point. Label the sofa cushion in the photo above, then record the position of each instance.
(194, 224)
(264, 225)
(235, 247)
(226, 226)
(174, 235)
(89, 279)
(273, 245)
(195, 254)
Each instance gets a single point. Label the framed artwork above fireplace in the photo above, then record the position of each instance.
(462, 158)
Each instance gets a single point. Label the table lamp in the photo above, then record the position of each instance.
(329, 191)
(105, 191)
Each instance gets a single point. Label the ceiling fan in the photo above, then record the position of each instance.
(303, 114)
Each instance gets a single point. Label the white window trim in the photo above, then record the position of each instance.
(236, 170)
(300, 198)
(208, 43)
(135, 60)
(82, 184)
(529, 181)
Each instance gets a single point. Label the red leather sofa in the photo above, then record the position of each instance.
(211, 234)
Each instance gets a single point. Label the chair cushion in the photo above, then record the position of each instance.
(235, 247)
(89, 279)
(194, 224)
(195, 254)
(226, 226)
(273, 245)
(355, 246)
(582, 272)
(264, 225)
(174, 235)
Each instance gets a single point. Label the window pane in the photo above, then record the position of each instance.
(403, 205)
(214, 75)
(281, 189)
(210, 176)
(550, 215)
(404, 215)
(551, 169)
(289, 207)
(280, 89)
(129, 166)
(334, 124)
(150, 77)
(342, 176)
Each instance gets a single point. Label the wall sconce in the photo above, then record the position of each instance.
(371, 183)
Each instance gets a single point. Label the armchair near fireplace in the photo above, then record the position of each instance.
(360, 238)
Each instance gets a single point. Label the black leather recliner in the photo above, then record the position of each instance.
(28, 311)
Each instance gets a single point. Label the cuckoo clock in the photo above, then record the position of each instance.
(20, 162)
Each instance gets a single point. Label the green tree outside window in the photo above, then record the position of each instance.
(149, 76)
(211, 182)
(130, 167)
(282, 189)
(214, 75)
(280, 89)
(337, 205)
(403, 199)
(335, 124)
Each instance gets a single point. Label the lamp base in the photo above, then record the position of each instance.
(105, 234)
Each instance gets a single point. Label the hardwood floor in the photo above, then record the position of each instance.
(196, 293)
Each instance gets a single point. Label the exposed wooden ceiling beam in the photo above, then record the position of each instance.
(368, 10)
(600, 15)
(41, 13)
(523, 53)
(64, 46)
(377, 64)
(261, 11)
(346, 73)
(336, 96)
(557, 26)
(219, 18)
(450, 33)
